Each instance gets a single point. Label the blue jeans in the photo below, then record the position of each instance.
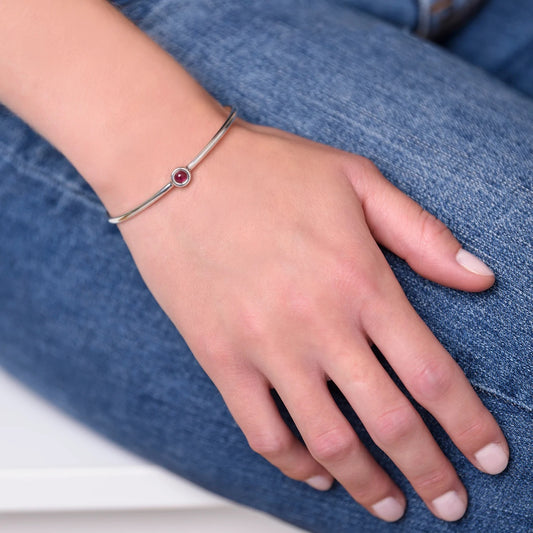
(80, 327)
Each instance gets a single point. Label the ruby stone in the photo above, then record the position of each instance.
(181, 176)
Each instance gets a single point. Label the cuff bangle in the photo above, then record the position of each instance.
(180, 176)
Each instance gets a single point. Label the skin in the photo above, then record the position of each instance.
(274, 278)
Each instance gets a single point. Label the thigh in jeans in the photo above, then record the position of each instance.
(79, 325)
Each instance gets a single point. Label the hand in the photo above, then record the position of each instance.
(268, 265)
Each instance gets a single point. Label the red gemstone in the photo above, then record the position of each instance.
(181, 176)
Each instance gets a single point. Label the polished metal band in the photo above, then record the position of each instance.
(180, 176)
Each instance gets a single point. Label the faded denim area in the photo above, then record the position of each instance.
(79, 326)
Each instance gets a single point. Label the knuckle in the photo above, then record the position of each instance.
(271, 446)
(344, 274)
(361, 172)
(433, 381)
(475, 426)
(357, 372)
(224, 364)
(367, 491)
(220, 362)
(212, 343)
(332, 446)
(355, 275)
(365, 166)
(395, 425)
(363, 491)
(431, 228)
(252, 324)
(344, 265)
(218, 354)
(296, 470)
(297, 303)
(434, 481)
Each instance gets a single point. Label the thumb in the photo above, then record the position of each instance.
(404, 227)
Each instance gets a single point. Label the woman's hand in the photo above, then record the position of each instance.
(267, 262)
(268, 265)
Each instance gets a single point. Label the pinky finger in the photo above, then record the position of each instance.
(256, 413)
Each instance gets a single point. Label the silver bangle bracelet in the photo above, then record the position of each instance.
(180, 176)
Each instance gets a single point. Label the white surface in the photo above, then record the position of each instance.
(51, 463)
(222, 520)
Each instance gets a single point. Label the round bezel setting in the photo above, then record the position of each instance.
(180, 177)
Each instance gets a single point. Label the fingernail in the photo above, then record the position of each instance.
(472, 263)
(492, 458)
(320, 482)
(389, 509)
(449, 506)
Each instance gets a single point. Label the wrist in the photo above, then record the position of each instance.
(138, 164)
(116, 104)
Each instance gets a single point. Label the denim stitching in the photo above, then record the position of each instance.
(501, 396)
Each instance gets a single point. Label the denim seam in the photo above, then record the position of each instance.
(501, 396)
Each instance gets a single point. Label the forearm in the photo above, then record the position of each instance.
(118, 106)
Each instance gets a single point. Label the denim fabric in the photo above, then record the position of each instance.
(79, 326)
(403, 13)
(500, 40)
(429, 18)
